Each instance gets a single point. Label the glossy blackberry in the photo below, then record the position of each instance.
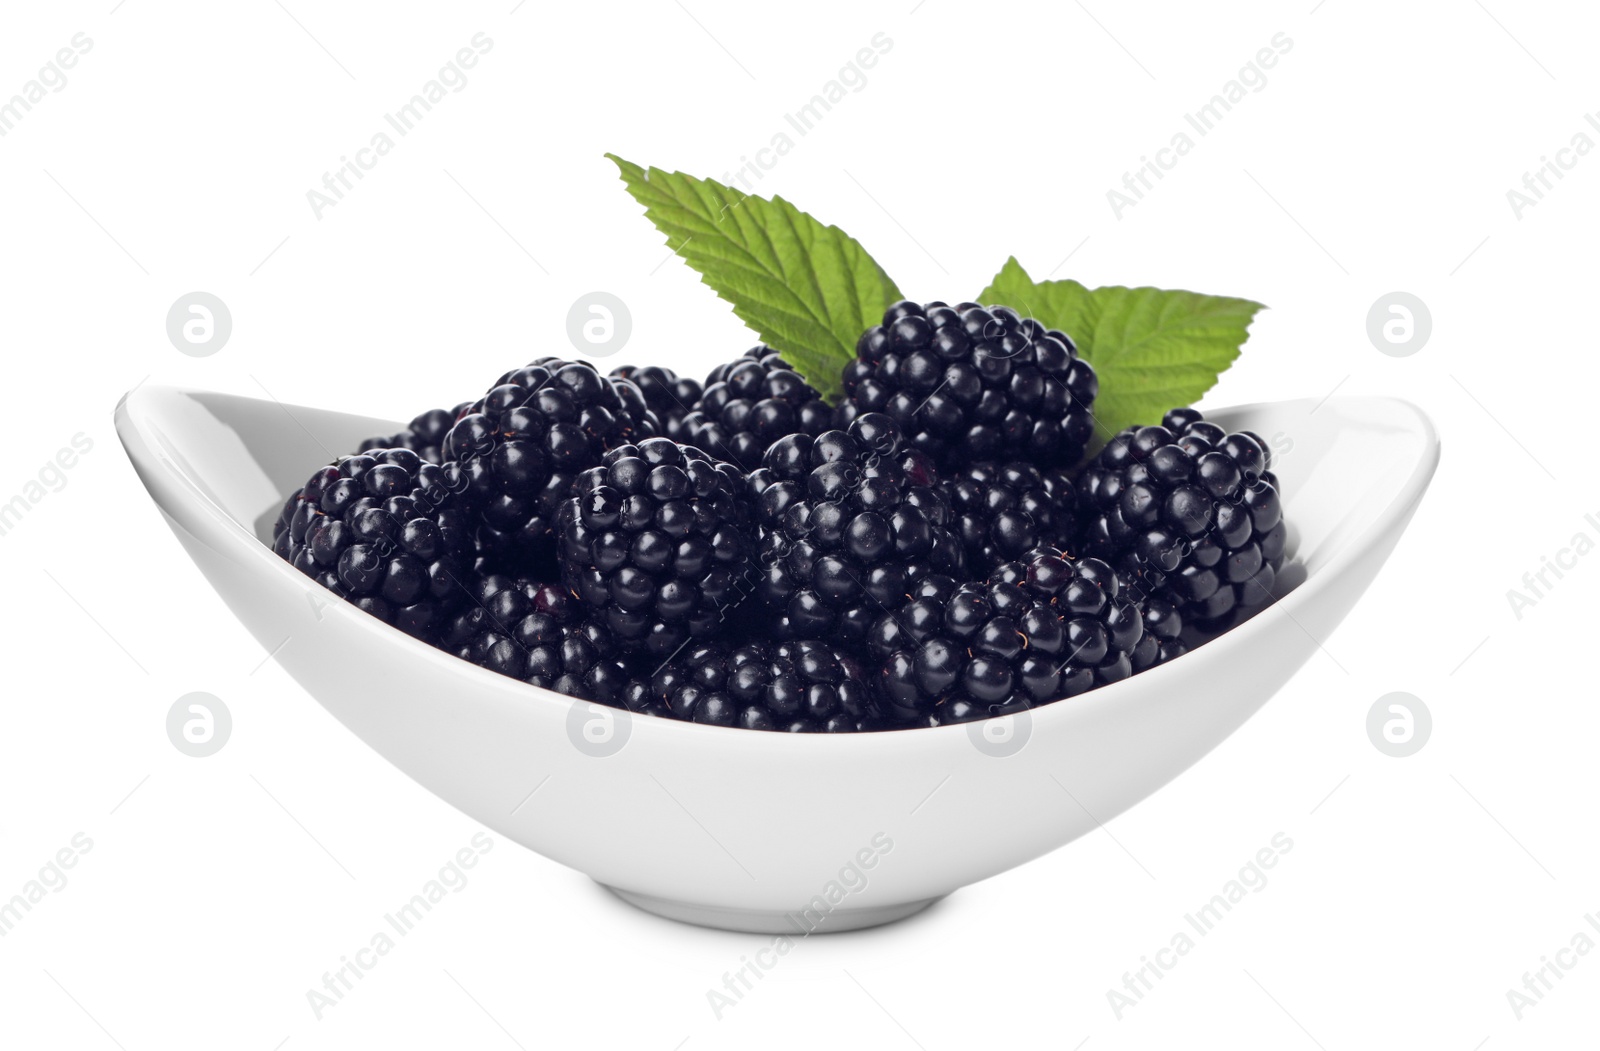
(654, 542)
(518, 450)
(971, 383)
(958, 652)
(1003, 511)
(803, 686)
(424, 435)
(384, 530)
(1190, 512)
(848, 521)
(670, 396)
(537, 632)
(751, 402)
(1086, 592)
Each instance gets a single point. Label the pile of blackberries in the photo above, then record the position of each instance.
(933, 549)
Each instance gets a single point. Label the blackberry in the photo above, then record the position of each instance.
(970, 383)
(537, 632)
(751, 402)
(848, 521)
(668, 395)
(959, 652)
(518, 450)
(1003, 511)
(653, 541)
(803, 686)
(384, 530)
(1085, 592)
(424, 435)
(1189, 512)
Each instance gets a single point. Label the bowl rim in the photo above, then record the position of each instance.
(238, 537)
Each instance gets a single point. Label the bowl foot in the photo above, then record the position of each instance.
(758, 921)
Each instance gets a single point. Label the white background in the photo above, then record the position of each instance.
(1377, 157)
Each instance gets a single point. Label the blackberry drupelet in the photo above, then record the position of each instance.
(803, 686)
(1189, 512)
(384, 530)
(653, 541)
(518, 450)
(971, 383)
(539, 633)
(751, 402)
(1163, 625)
(670, 396)
(639, 697)
(424, 435)
(959, 652)
(1003, 511)
(848, 521)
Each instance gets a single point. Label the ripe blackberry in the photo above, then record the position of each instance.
(970, 383)
(1088, 591)
(848, 522)
(517, 450)
(801, 686)
(668, 395)
(1003, 511)
(653, 541)
(959, 652)
(751, 402)
(1190, 512)
(537, 632)
(384, 530)
(423, 436)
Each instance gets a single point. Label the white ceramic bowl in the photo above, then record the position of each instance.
(765, 831)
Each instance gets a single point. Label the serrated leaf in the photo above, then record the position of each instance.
(808, 290)
(1153, 349)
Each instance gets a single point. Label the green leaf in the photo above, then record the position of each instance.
(1152, 348)
(808, 290)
